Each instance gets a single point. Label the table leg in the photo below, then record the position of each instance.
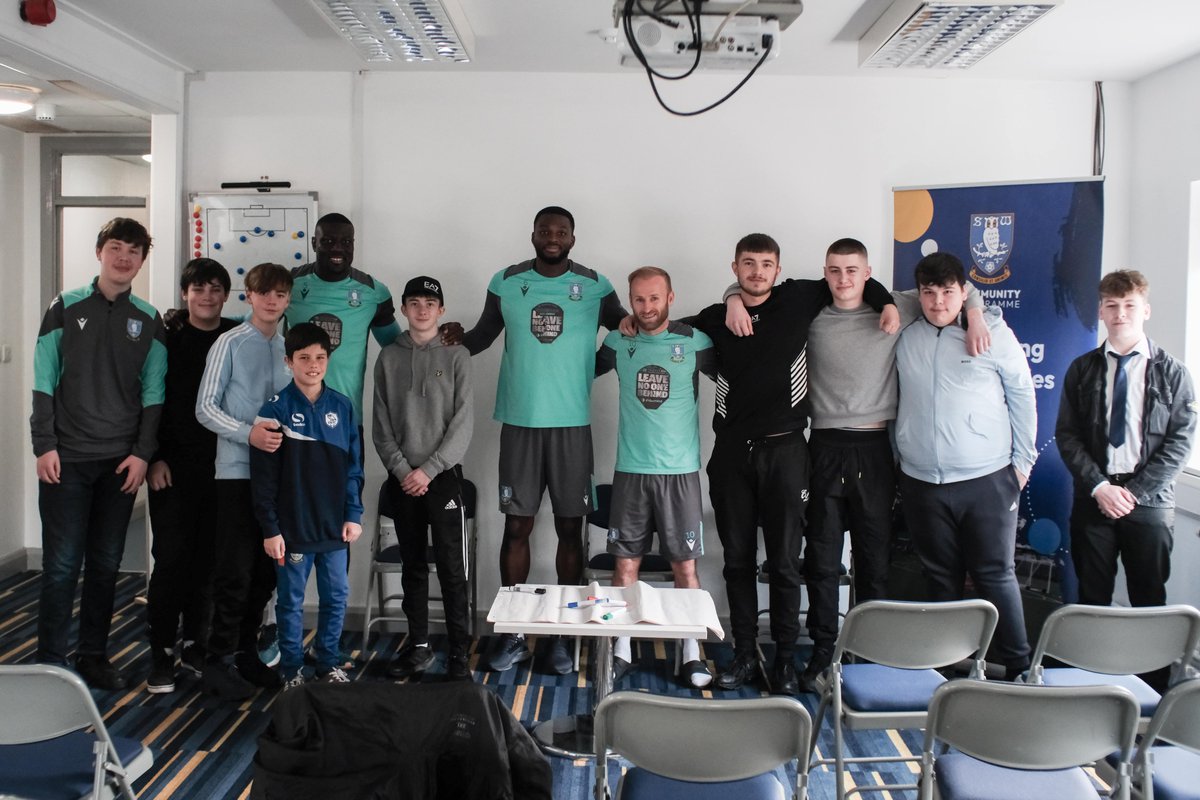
(571, 736)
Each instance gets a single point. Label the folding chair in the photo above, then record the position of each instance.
(1111, 645)
(53, 743)
(1016, 741)
(906, 643)
(385, 560)
(1163, 771)
(693, 749)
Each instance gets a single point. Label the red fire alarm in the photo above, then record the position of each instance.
(38, 12)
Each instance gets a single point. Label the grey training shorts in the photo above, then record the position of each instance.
(534, 459)
(672, 505)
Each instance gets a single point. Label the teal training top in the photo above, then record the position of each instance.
(550, 329)
(659, 428)
(347, 310)
(99, 372)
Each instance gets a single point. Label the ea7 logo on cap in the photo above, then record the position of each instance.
(433, 287)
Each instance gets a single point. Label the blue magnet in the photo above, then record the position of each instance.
(241, 270)
(242, 239)
(299, 256)
(270, 234)
(242, 297)
(257, 229)
(300, 234)
(216, 245)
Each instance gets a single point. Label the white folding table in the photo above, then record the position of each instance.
(677, 614)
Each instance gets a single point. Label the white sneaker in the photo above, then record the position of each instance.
(335, 675)
(294, 681)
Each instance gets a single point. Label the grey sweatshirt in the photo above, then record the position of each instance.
(423, 411)
(853, 363)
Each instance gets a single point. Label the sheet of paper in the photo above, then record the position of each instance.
(644, 604)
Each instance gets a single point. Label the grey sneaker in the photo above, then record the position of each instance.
(510, 650)
(560, 660)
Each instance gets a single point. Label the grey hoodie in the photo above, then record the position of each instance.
(423, 410)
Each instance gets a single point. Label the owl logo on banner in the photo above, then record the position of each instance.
(991, 245)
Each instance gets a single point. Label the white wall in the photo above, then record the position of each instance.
(14, 436)
(1166, 160)
(442, 174)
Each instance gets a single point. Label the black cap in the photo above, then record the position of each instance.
(423, 286)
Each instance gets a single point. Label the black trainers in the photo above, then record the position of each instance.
(410, 661)
(98, 673)
(162, 671)
(783, 677)
(222, 679)
(252, 669)
(510, 649)
(743, 668)
(192, 659)
(821, 658)
(458, 668)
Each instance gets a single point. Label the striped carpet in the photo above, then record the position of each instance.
(204, 748)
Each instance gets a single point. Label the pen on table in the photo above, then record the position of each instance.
(610, 614)
(526, 589)
(599, 601)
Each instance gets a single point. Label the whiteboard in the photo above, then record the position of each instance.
(242, 229)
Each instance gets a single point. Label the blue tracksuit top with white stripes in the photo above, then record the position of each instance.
(307, 488)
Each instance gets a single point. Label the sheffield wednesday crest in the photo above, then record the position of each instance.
(991, 246)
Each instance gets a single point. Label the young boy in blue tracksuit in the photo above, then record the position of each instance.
(306, 497)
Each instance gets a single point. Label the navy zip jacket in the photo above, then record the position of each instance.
(312, 484)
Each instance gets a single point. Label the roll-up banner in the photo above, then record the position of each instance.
(1033, 250)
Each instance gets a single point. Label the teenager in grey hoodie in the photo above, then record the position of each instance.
(422, 425)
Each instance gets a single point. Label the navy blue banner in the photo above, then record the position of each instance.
(1032, 249)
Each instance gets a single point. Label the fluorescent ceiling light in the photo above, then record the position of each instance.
(945, 34)
(17, 99)
(384, 31)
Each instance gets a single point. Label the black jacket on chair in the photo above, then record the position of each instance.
(1168, 424)
(382, 741)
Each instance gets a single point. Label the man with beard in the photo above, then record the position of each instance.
(550, 308)
(657, 482)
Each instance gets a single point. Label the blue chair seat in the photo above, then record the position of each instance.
(1146, 697)
(639, 784)
(1176, 773)
(58, 769)
(960, 777)
(874, 687)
